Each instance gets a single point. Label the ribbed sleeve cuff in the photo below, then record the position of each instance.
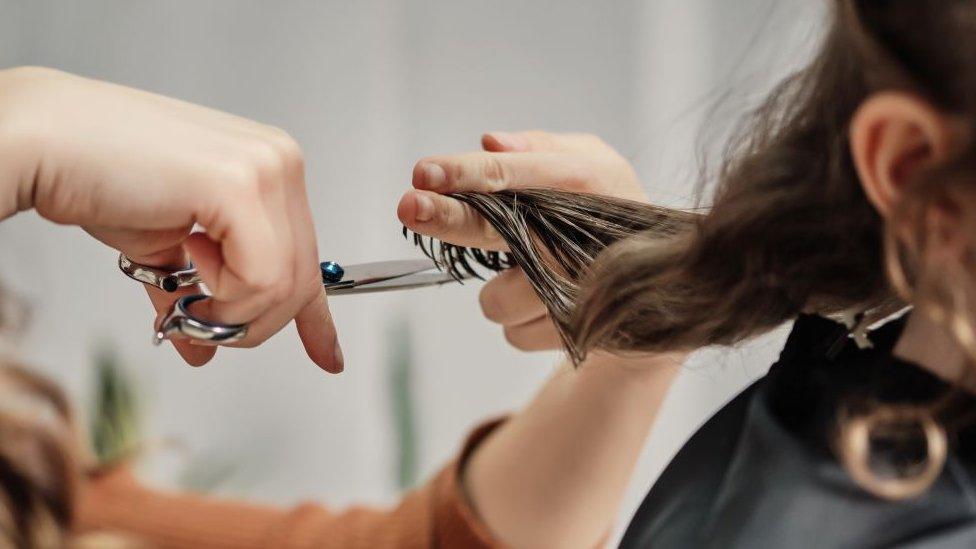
(457, 521)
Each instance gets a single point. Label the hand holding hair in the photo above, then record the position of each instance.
(543, 202)
(510, 161)
(546, 204)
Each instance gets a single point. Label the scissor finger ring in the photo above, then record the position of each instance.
(165, 279)
(179, 320)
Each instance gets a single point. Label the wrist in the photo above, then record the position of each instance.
(624, 382)
(607, 369)
(17, 181)
(18, 143)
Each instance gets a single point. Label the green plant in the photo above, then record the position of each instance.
(115, 426)
(400, 361)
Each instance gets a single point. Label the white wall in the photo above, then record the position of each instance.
(367, 87)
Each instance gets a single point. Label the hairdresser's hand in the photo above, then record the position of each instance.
(138, 170)
(570, 162)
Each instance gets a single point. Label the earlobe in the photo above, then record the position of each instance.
(892, 135)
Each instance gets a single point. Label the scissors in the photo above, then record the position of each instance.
(380, 276)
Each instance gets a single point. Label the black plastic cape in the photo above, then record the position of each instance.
(761, 473)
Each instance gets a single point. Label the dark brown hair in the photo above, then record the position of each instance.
(790, 228)
(555, 237)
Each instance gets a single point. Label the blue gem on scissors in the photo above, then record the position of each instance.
(332, 272)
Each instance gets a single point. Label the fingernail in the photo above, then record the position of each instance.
(425, 207)
(338, 364)
(434, 176)
(509, 141)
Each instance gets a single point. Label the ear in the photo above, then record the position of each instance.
(892, 135)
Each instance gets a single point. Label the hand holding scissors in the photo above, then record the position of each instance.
(180, 322)
(138, 171)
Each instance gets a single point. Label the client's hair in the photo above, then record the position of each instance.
(790, 228)
(555, 237)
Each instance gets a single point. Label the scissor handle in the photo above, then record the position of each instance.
(180, 322)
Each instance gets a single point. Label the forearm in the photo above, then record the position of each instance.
(554, 475)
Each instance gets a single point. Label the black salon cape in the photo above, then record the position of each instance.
(760, 472)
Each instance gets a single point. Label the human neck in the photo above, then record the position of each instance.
(929, 345)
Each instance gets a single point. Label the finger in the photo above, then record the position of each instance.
(244, 300)
(538, 335)
(239, 256)
(540, 141)
(162, 301)
(232, 303)
(147, 247)
(194, 355)
(318, 333)
(269, 322)
(447, 219)
(492, 172)
(309, 306)
(509, 299)
(313, 320)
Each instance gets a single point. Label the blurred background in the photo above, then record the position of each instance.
(368, 87)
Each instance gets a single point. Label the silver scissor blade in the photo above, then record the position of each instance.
(370, 273)
(416, 280)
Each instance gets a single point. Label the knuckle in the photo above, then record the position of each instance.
(445, 218)
(581, 177)
(243, 177)
(290, 151)
(267, 159)
(260, 285)
(280, 136)
(493, 171)
(456, 171)
(594, 140)
(284, 289)
(264, 286)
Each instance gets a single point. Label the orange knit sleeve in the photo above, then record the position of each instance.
(433, 515)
